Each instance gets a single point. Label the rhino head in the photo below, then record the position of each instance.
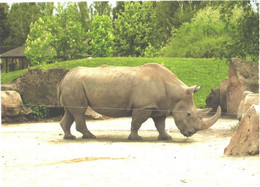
(188, 118)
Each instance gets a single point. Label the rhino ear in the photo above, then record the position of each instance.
(193, 89)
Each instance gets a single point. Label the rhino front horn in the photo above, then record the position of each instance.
(205, 124)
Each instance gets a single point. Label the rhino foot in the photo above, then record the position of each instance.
(69, 137)
(134, 137)
(164, 137)
(88, 136)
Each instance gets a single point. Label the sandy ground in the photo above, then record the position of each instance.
(35, 154)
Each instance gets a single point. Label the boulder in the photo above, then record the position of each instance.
(245, 140)
(39, 87)
(243, 76)
(12, 104)
(249, 98)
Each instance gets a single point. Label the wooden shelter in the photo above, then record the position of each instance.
(13, 60)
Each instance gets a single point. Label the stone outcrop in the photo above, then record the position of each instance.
(39, 87)
(249, 98)
(245, 140)
(12, 104)
(243, 76)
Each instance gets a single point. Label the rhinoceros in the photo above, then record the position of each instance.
(150, 90)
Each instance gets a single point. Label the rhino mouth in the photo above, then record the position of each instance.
(188, 133)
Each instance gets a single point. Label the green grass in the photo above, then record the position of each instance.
(192, 71)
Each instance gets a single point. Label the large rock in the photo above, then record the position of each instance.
(243, 76)
(249, 98)
(39, 87)
(12, 104)
(245, 140)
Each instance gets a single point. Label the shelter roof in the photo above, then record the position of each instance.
(14, 53)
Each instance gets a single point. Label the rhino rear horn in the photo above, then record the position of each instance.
(205, 124)
(193, 89)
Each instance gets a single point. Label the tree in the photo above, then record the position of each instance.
(135, 28)
(60, 35)
(4, 27)
(38, 44)
(101, 35)
(68, 33)
(20, 17)
(84, 14)
(102, 8)
(245, 33)
(203, 37)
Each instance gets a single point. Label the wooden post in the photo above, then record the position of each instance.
(22, 64)
(6, 67)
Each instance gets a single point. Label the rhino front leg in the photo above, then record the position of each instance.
(160, 125)
(81, 127)
(138, 118)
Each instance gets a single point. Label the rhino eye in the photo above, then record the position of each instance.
(188, 114)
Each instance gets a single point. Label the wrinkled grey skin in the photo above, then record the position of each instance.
(142, 92)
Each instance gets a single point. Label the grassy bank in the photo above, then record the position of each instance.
(206, 72)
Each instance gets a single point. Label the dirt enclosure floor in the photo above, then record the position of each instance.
(35, 154)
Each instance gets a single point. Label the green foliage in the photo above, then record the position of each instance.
(202, 37)
(21, 16)
(38, 48)
(101, 36)
(40, 112)
(244, 31)
(151, 51)
(225, 30)
(206, 72)
(134, 28)
(67, 31)
(61, 35)
(4, 26)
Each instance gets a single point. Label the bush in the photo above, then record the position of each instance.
(204, 37)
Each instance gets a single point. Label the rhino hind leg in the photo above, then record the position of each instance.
(160, 125)
(82, 127)
(138, 118)
(66, 123)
